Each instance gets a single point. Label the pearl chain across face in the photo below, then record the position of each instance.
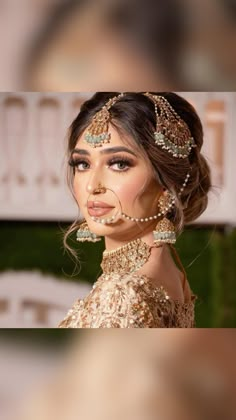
(144, 219)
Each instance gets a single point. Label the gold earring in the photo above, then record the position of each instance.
(165, 229)
(84, 234)
(164, 232)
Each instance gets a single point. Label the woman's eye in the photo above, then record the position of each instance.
(120, 165)
(79, 165)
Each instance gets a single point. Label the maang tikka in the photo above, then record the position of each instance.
(97, 133)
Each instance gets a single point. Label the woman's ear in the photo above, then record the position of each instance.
(160, 193)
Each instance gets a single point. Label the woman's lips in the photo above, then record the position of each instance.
(98, 208)
(96, 211)
(99, 204)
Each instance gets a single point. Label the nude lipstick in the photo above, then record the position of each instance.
(98, 208)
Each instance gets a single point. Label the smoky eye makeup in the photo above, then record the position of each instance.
(78, 164)
(123, 161)
(74, 161)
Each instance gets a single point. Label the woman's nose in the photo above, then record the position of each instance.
(90, 188)
(94, 184)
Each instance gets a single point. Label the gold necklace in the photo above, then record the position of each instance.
(127, 258)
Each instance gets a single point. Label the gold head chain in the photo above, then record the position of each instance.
(172, 132)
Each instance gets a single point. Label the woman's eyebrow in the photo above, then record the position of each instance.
(105, 151)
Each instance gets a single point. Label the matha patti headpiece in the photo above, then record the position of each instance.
(97, 133)
(172, 132)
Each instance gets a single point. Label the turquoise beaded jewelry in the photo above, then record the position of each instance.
(164, 232)
(97, 133)
(85, 235)
(172, 133)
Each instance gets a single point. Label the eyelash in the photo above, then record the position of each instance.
(124, 160)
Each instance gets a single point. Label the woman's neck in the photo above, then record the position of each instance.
(114, 243)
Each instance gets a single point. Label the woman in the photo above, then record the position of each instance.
(138, 176)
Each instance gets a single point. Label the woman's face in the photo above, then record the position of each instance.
(120, 167)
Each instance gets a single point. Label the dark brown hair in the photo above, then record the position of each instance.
(134, 114)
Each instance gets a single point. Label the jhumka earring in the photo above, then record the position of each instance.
(165, 229)
(84, 234)
(97, 132)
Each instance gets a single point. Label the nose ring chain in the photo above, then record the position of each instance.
(100, 189)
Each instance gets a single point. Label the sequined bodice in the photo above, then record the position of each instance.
(127, 301)
(121, 298)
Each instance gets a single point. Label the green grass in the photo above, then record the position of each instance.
(207, 254)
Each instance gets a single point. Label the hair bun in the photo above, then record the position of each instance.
(197, 198)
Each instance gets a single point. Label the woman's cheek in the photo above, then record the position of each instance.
(128, 193)
(77, 191)
(127, 187)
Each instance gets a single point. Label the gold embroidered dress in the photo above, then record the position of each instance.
(122, 299)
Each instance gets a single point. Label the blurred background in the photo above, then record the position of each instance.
(38, 279)
(84, 45)
(135, 374)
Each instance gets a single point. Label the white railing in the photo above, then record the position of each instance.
(29, 299)
(33, 129)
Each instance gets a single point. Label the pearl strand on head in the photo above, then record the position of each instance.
(184, 183)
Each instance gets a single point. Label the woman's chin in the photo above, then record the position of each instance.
(101, 228)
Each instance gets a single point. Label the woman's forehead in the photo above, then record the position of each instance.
(118, 138)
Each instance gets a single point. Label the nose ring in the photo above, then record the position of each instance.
(100, 189)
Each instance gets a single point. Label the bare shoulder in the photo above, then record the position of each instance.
(162, 271)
